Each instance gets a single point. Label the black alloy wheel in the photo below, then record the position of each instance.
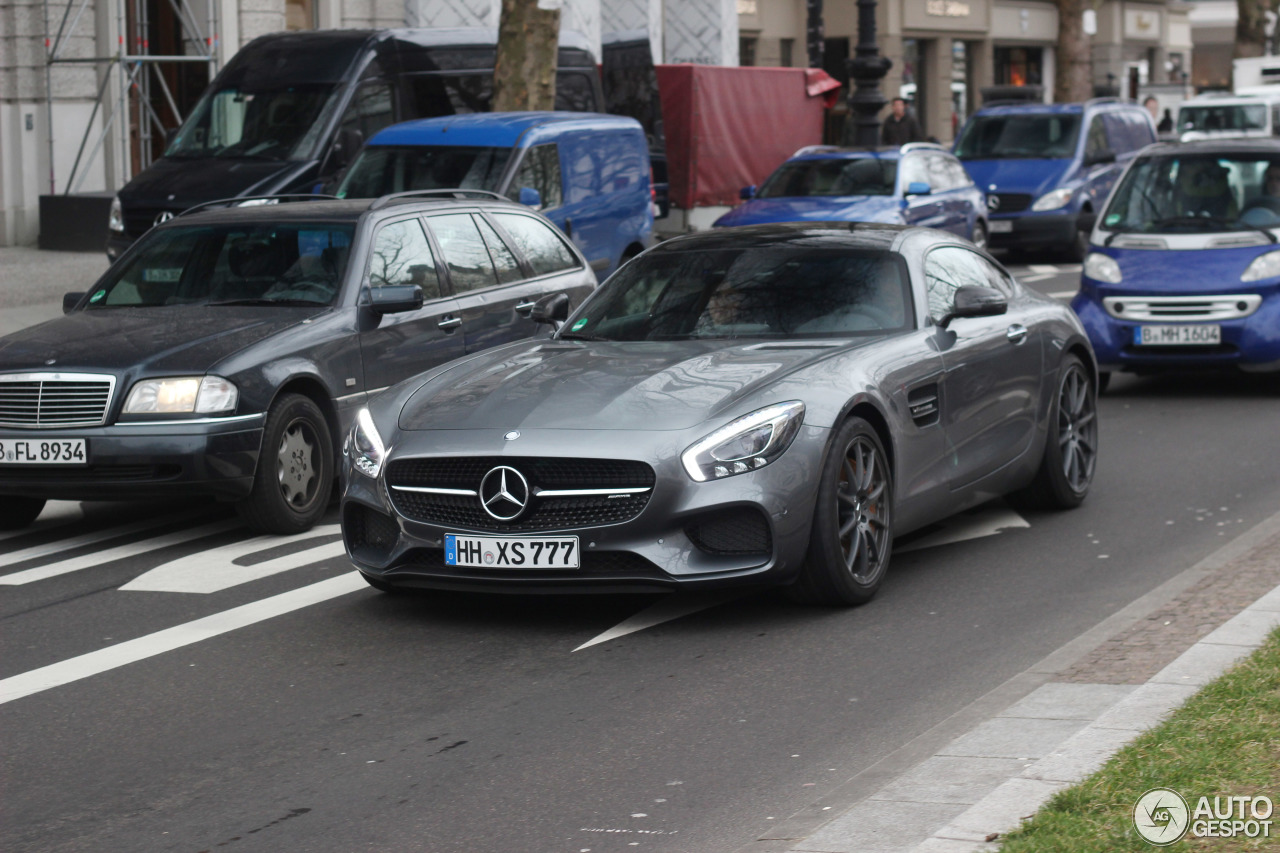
(1071, 445)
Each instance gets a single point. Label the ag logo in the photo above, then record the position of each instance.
(1161, 816)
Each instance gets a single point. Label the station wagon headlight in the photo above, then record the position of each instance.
(1102, 268)
(1053, 200)
(745, 444)
(201, 395)
(1263, 267)
(365, 445)
(115, 220)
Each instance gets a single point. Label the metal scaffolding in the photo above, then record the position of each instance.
(135, 69)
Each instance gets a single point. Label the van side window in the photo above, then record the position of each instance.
(541, 246)
(430, 95)
(1096, 143)
(370, 109)
(401, 255)
(504, 260)
(465, 253)
(540, 170)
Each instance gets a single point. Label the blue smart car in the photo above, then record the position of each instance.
(1183, 269)
(917, 184)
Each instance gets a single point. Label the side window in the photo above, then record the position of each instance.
(1143, 133)
(370, 109)
(940, 176)
(540, 245)
(913, 171)
(465, 253)
(402, 255)
(997, 278)
(959, 177)
(1097, 139)
(540, 170)
(504, 261)
(1275, 119)
(948, 269)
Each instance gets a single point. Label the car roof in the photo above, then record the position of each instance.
(883, 152)
(491, 129)
(1240, 145)
(336, 210)
(1032, 108)
(867, 235)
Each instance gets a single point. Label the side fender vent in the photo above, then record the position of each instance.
(923, 403)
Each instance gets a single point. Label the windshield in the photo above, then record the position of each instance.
(272, 124)
(863, 176)
(1042, 137)
(384, 169)
(1196, 194)
(1237, 117)
(731, 293)
(244, 264)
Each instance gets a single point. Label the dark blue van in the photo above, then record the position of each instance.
(588, 173)
(1047, 168)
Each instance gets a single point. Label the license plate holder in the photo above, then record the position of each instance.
(1000, 226)
(1183, 335)
(516, 553)
(43, 451)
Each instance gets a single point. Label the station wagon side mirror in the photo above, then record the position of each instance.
(1097, 157)
(552, 309)
(395, 298)
(530, 197)
(918, 188)
(973, 301)
(70, 301)
(747, 193)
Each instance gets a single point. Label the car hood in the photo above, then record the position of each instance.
(1175, 272)
(1035, 177)
(176, 338)
(602, 386)
(877, 208)
(177, 183)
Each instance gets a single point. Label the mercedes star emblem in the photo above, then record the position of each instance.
(162, 217)
(504, 493)
(993, 202)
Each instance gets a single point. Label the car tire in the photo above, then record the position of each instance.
(294, 480)
(855, 494)
(1079, 247)
(16, 512)
(1071, 446)
(979, 238)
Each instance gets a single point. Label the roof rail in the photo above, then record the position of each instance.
(239, 201)
(383, 201)
(1108, 99)
(928, 146)
(816, 149)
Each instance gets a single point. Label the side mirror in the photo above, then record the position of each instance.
(918, 188)
(346, 146)
(1098, 157)
(747, 193)
(70, 301)
(530, 197)
(552, 308)
(972, 301)
(395, 298)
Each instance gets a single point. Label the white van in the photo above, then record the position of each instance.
(1224, 116)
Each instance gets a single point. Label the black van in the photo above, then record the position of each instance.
(292, 109)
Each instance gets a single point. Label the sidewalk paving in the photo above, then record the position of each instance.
(33, 281)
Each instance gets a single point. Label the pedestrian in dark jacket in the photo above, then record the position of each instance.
(899, 128)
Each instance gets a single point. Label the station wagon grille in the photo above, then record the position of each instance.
(54, 400)
(1187, 308)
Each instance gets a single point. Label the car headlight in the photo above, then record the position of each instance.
(745, 444)
(1053, 200)
(115, 221)
(1263, 266)
(203, 395)
(1102, 268)
(366, 447)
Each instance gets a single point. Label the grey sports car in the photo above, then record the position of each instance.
(763, 405)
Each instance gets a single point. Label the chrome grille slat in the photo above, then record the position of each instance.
(1197, 308)
(55, 400)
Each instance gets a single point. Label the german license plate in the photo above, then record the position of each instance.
(44, 451)
(1000, 226)
(504, 552)
(1164, 336)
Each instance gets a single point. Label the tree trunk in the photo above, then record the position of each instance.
(1251, 31)
(524, 73)
(1073, 64)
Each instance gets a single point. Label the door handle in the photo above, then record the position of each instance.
(449, 323)
(525, 307)
(1017, 333)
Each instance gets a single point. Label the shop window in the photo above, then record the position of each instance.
(746, 52)
(1019, 66)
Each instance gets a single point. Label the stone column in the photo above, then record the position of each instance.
(981, 56)
(935, 113)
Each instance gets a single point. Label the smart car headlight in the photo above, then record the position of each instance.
(1263, 267)
(745, 444)
(1053, 200)
(115, 220)
(202, 395)
(1102, 267)
(365, 446)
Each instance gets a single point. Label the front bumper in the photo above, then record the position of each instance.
(1052, 229)
(212, 456)
(663, 547)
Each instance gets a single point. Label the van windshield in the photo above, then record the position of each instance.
(1238, 117)
(384, 169)
(265, 124)
(1042, 137)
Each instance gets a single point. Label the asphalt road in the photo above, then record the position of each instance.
(280, 706)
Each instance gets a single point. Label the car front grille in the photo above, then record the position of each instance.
(1175, 308)
(564, 494)
(140, 220)
(1009, 202)
(54, 400)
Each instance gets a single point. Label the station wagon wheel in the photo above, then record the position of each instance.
(16, 512)
(1071, 445)
(295, 469)
(852, 533)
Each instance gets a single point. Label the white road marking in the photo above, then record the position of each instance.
(93, 663)
(1064, 294)
(664, 610)
(132, 549)
(1050, 269)
(54, 514)
(51, 548)
(988, 521)
(215, 569)
(1027, 279)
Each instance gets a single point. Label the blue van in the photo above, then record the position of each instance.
(1047, 168)
(589, 173)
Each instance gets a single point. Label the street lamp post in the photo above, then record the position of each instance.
(866, 70)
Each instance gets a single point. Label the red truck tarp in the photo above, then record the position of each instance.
(727, 128)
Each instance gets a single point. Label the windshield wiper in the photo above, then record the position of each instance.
(296, 303)
(1223, 223)
(573, 336)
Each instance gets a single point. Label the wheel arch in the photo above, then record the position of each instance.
(314, 389)
(867, 410)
